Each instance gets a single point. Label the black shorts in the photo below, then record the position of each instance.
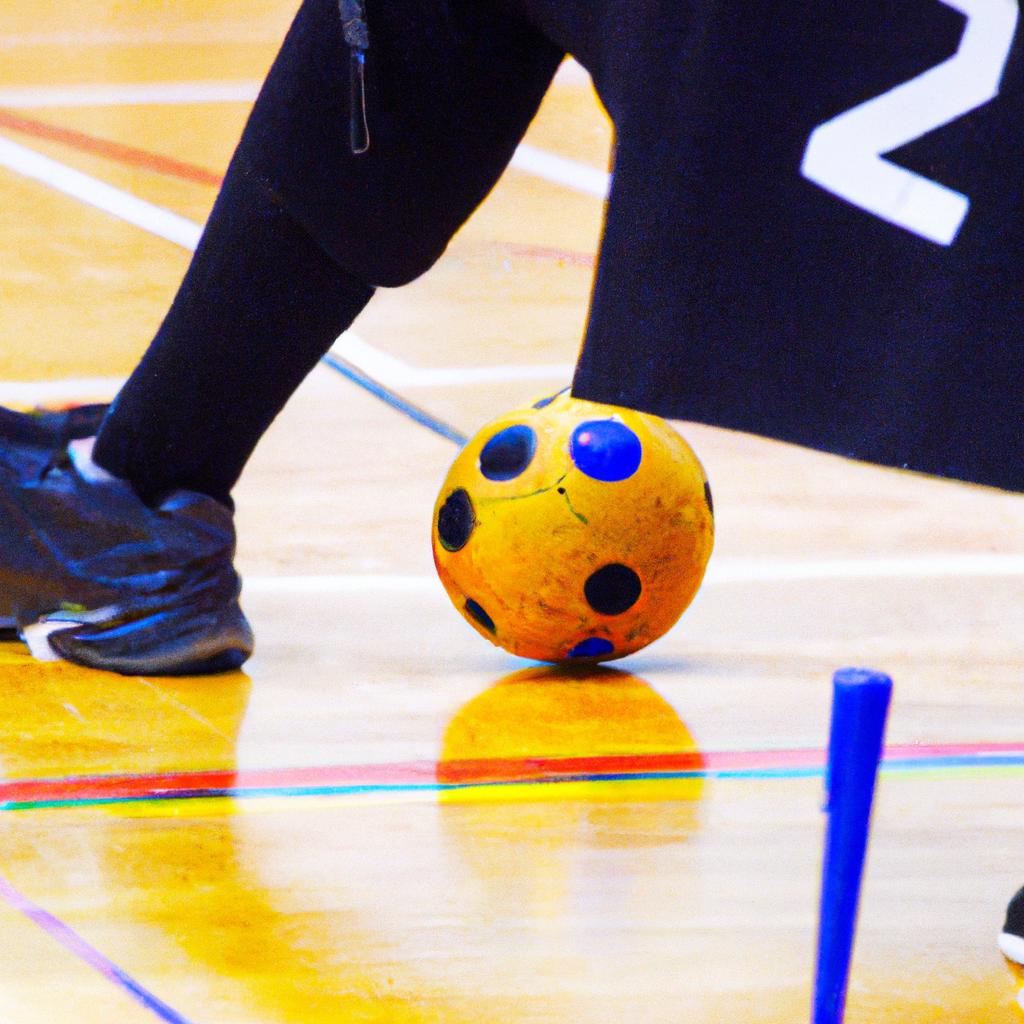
(815, 230)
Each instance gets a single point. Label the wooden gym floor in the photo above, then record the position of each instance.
(311, 840)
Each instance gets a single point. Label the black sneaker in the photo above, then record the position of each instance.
(33, 439)
(49, 430)
(1011, 942)
(91, 574)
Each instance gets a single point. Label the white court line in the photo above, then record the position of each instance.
(108, 94)
(557, 169)
(108, 35)
(562, 171)
(113, 95)
(726, 571)
(571, 72)
(348, 583)
(936, 566)
(26, 394)
(396, 373)
(93, 192)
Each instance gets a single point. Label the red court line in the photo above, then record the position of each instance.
(469, 771)
(547, 252)
(128, 155)
(132, 156)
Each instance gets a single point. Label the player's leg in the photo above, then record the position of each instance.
(304, 228)
(137, 576)
(259, 305)
(50, 429)
(301, 233)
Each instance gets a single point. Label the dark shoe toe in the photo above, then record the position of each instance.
(180, 639)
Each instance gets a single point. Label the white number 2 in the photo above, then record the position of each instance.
(844, 154)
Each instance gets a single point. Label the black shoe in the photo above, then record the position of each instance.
(91, 574)
(50, 429)
(33, 439)
(1011, 941)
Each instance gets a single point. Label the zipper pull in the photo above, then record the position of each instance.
(357, 35)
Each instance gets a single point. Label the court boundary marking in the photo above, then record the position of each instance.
(184, 92)
(551, 167)
(62, 933)
(430, 777)
(720, 572)
(102, 94)
(100, 195)
(107, 148)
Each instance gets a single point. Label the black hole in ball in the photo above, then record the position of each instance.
(480, 615)
(613, 589)
(508, 453)
(707, 497)
(455, 520)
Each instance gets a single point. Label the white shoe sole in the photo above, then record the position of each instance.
(36, 636)
(1012, 947)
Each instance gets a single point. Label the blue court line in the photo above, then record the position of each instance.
(393, 399)
(967, 762)
(88, 954)
(146, 998)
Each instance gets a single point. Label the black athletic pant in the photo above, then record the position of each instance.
(303, 230)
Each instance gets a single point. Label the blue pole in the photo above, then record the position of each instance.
(860, 704)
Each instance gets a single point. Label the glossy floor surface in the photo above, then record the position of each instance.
(383, 818)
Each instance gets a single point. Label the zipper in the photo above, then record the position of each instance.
(357, 35)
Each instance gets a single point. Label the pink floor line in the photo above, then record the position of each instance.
(466, 771)
(75, 944)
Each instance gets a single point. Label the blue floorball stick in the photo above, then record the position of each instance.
(860, 704)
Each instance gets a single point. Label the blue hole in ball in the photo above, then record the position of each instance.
(606, 450)
(592, 647)
(508, 453)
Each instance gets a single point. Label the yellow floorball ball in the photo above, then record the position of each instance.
(571, 530)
